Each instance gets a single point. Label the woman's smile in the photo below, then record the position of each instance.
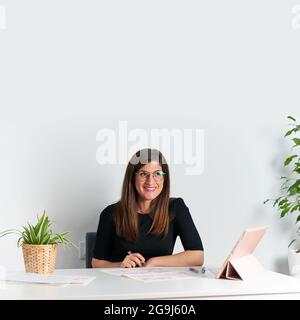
(149, 189)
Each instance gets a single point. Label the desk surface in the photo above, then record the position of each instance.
(267, 285)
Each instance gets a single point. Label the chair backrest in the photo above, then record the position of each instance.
(90, 240)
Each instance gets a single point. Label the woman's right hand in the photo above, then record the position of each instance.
(132, 260)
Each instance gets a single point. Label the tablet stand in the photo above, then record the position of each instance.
(242, 268)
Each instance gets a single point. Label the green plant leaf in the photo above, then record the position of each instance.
(295, 207)
(60, 238)
(38, 228)
(32, 234)
(297, 170)
(290, 159)
(290, 132)
(44, 229)
(284, 211)
(9, 231)
(53, 239)
(39, 233)
(296, 141)
(297, 164)
(46, 239)
(26, 233)
(282, 202)
(20, 242)
(291, 242)
(276, 201)
(298, 219)
(63, 234)
(291, 118)
(26, 239)
(294, 188)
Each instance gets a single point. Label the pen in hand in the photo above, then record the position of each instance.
(129, 253)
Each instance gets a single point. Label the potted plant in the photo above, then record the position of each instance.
(289, 201)
(39, 245)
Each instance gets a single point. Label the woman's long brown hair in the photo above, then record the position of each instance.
(125, 216)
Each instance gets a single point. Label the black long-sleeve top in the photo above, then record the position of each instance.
(110, 246)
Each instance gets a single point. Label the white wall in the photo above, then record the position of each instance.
(71, 68)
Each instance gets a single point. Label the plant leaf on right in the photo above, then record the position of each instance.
(289, 201)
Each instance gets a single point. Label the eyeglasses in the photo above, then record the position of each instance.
(157, 175)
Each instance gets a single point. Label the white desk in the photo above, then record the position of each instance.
(268, 285)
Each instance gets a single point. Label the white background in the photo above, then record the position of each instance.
(71, 68)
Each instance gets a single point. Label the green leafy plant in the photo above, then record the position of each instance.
(289, 201)
(40, 234)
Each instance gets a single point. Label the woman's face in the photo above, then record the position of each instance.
(148, 181)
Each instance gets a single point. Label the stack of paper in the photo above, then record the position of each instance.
(46, 279)
(152, 274)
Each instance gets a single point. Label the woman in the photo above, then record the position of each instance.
(141, 229)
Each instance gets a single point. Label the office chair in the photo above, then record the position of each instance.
(90, 240)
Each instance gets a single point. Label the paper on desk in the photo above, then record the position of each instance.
(152, 274)
(46, 279)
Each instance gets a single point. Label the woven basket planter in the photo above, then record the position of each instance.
(39, 258)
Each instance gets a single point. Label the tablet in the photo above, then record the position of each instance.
(244, 246)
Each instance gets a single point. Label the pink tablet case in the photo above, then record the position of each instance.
(241, 264)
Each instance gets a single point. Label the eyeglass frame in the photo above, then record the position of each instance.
(148, 175)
